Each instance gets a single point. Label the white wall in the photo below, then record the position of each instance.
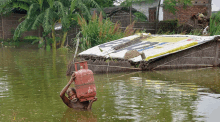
(143, 7)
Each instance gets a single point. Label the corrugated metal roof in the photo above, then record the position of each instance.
(153, 46)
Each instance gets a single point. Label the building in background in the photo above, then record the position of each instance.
(148, 9)
(184, 16)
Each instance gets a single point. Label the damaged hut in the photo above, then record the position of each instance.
(152, 52)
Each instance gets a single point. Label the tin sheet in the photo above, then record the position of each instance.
(153, 46)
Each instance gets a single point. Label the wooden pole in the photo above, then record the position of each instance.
(216, 54)
(130, 14)
(3, 34)
(158, 8)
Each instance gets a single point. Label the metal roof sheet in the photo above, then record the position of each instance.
(153, 46)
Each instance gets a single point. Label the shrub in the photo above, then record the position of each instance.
(98, 30)
(215, 24)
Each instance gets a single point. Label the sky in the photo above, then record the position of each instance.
(215, 5)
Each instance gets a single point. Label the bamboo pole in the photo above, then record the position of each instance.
(216, 55)
(158, 8)
(130, 14)
(3, 34)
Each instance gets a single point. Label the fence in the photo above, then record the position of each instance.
(148, 27)
(9, 23)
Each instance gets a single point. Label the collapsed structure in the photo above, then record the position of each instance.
(153, 52)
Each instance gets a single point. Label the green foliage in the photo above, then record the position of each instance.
(140, 17)
(31, 37)
(167, 26)
(128, 3)
(215, 24)
(9, 6)
(105, 3)
(197, 32)
(99, 30)
(46, 13)
(9, 42)
(170, 5)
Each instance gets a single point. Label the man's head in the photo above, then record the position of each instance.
(71, 92)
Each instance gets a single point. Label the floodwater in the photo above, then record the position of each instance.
(31, 80)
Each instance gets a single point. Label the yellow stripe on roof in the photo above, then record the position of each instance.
(164, 39)
(173, 50)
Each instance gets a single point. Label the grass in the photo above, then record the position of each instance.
(215, 24)
(98, 30)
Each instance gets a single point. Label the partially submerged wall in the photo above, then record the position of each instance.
(204, 55)
(9, 23)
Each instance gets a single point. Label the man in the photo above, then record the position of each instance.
(72, 100)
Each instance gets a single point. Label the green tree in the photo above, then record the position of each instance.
(81, 7)
(46, 13)
(169, 5)
(98, 31)
(40, 13)
(105, 3)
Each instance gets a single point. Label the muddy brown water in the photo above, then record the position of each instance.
(31, 80)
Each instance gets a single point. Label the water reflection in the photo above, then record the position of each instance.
(161, 96)
(142, 100)
(3, 88)
(31, 80)
(72, 115)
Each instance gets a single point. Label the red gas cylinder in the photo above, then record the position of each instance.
(84, 82)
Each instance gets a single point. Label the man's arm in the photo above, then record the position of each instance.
(62, 93)
(90, 103)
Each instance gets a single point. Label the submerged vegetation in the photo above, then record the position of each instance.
(46, 13)
(42, 15)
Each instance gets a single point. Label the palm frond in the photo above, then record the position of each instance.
(46, 23)
(73, 5)
(31, 16)
(38, 21)
(84, 8)
(5, 2)
(18, 31)
(50, 17)
(62, 13)
(93, 3)
(20, 4)
(33, 10)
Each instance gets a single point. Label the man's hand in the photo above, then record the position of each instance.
(90, 103)
(73, 75)
(95, 99)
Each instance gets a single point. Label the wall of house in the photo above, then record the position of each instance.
(184, 15)
(122, 17)
(144, 7)
(152, 14)
(9, 23)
